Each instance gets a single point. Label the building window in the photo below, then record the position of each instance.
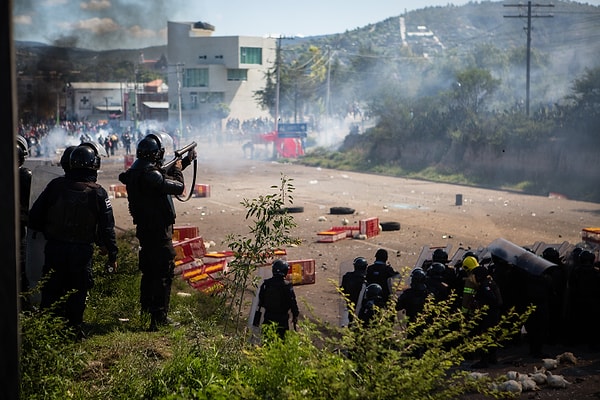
(195, 77)
(237, 74)
(250, 55)
(194, 100)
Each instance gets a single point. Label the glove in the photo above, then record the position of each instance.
(192, 155)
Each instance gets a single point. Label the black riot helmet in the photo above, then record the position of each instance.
(280, 268)
(100, 150)
(84, 157)
(586, 257)
(417, 279)
(440, 256)
(22, 149)
(150, 148)
(436, 270)
(360, 264)
(373, 292)
(552, 255)
(65, 159)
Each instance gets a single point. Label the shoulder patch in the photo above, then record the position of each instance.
(108, 203)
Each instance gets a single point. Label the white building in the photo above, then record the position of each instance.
(207, 72)
(94, 100)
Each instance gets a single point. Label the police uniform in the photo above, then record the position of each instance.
(277, 297)
(73, 212)
(352, 285)
(149, 192)
(380, 273)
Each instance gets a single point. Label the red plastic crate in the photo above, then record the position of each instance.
(331, 236)
(369, 226)
(209, 286)
(188, 250)
(201, 190)
(182, 232)
(118, 191)
(204, 271)
(350, 230)
(181, 268)
(302, 272)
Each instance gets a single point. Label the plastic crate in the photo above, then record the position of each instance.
(118, 191)
(331, 236)
(188, 250)
(182, 232)
(181, 268)
(369, 226)
(203, 271)
(591, 236)
(201, 190)
(302, 272)
(350, 230)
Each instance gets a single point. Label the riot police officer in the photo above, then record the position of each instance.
(278, 299)
(382, 273)
(74, 213)
(353, 283)
(149, 192)
(373, 302)
(412, 300)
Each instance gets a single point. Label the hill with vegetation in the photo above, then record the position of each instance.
(445, 91)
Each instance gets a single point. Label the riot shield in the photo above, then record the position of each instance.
(519, 257)
(34, 256)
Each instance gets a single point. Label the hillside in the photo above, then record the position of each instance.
(567, 34)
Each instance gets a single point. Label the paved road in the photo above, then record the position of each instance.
(426, 211)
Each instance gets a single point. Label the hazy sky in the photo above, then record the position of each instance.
(111, 24)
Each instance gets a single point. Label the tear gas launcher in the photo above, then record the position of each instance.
(179, 155)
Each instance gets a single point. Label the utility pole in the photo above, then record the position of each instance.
(528, 29)
(328, 93)
(179, 99)
(277, 86)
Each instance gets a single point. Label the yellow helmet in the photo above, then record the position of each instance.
(469, 263)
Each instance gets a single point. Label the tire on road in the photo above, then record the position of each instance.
(390, 226)
(341, 210)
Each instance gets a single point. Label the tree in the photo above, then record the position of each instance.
(270, 231)
(583, 111)
(472, 88)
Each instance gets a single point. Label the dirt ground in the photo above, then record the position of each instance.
(428, 215)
